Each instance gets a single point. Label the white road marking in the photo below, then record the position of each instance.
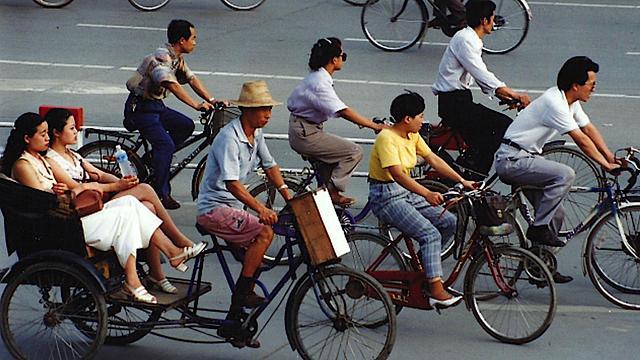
(15, 85)
(105, 26)
(633, 52)
(572, 4)
(398, 41)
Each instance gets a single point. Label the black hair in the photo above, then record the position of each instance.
(407, 104)
(478, 10)
(57, 120)
(323, 51)
(178, 29)
(575, 71)
(25, 124)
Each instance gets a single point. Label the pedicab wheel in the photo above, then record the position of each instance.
(338, 307)
(242, 5)
(53, 3)
(42, 307)
(148, 5)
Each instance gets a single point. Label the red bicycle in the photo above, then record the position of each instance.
(509, 290)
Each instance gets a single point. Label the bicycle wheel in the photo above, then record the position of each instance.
(394, 25)
(102, 155)
(41, 310)
(243, 5)
(198, 175)
(53, 3)
(267, 194)
(578, 204)
(613, 269)
(510, 27)
(518, 303)
(129, 323)
(148, 5)
(365, 249)
(330, 312)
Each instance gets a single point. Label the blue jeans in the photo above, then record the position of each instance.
(416, 218)
(165, 129)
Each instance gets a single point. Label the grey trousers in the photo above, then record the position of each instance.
(555, 179)
(341, 156)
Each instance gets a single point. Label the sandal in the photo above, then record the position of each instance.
(140, 294)
(163, 285)
(188, 253)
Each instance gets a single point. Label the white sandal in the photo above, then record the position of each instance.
(188, 253)
(140, 294)
(163, 285)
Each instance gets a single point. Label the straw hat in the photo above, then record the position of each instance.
(255, 94)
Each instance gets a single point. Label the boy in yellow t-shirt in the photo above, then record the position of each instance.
(400, 201)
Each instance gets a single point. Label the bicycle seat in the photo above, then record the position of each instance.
(499, 230)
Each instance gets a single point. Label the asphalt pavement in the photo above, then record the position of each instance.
(82, 55)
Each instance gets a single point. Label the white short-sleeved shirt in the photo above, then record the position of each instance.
(546, 117)
(315, 98)
(462, 63)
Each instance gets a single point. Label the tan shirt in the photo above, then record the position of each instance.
(42, 169)
(160, 66)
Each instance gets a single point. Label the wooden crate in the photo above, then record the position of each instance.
(319, 226)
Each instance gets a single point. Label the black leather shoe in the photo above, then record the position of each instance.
(542, 235)
(170, 203)
(252, 300)
(561, 279)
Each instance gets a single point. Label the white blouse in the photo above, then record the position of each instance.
(74, 169)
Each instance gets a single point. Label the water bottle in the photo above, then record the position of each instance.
(123, 162)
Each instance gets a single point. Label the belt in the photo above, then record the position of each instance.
(515, 145)
(375, 181)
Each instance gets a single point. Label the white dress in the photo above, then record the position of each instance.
(124, 224)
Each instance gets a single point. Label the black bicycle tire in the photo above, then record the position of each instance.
(306, 283)
(578, 203)
(367, 8)
(395, 254)
(596, 271)
(356, 2)
(134, 335)
(161, 4)
(547, 283)
(197, 177)
(527, 20)
(53, 5)
(231, 5)
(71, 272)
(111, 166)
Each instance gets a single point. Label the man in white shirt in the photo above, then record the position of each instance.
(480, 127)
(518, 160)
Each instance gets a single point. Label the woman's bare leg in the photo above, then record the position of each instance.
(145, 193)
(131, 274)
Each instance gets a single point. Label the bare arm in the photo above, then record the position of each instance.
(199, 88)
(508, 93)
(103, 177)
(275, 177)
(356, 118)
(443, 168)
(410, 184)
(588, 147)
(182, 95)
(597, 139)
(266, 215)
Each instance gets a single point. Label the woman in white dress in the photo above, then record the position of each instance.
(62, 133)
(123, 225)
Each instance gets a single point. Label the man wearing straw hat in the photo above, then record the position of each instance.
(238, 149)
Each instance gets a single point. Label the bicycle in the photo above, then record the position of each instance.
(509, 290)
(101, 153)
(611, 253)
(59, 304)
(396, 25)
(152, 5)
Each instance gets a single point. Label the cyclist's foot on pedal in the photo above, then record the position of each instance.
(341, 200)
(170, 203)
(542, 235)
(439, 298)
(561, 279)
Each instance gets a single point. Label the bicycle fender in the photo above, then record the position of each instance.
(584, 247)
(61, 256)
(556, 143)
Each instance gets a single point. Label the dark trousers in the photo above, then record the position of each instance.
(165, 129)
(481, 128)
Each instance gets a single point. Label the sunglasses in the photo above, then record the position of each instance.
(343, 56)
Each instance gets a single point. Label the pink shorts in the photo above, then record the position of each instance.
(235, 226)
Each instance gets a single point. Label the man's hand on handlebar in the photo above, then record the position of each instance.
(471, 185)
(611, 167)
(204, 106)
(434, 198)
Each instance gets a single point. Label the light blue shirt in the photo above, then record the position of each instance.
(231, 157)
(314, 99)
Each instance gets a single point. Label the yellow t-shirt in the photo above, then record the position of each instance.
(392, 149)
